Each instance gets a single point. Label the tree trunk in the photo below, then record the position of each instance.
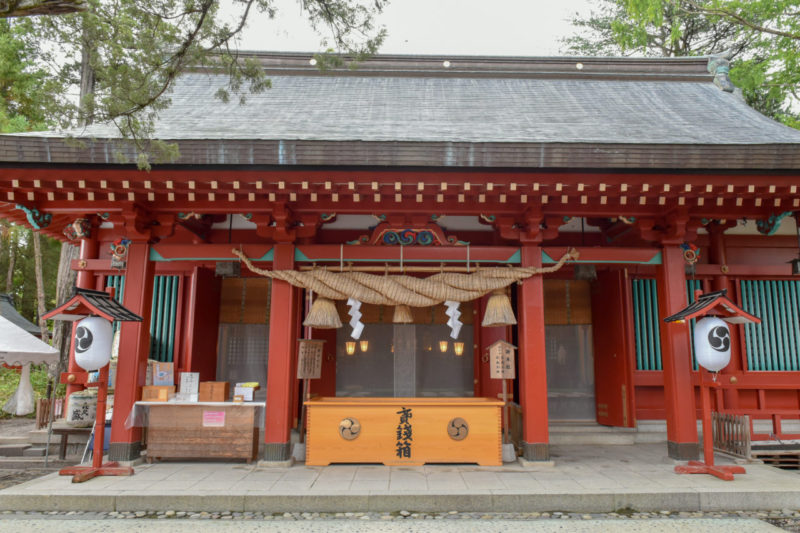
(37, 266)
(64, 284)
(12, 259)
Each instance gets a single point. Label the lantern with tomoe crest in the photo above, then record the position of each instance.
(712, 343)
(93, 336)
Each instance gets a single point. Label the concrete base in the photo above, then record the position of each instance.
(124, 451)
(536, 451)
(277, 451)
(275, 464)
(683, 451)
(536, 465)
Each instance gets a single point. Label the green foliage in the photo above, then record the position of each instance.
(763, 36)
(18, 239)
(136, 50)
(9, 379)
(27, 95)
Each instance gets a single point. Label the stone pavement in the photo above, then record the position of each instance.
(584, 479)
(405, 526)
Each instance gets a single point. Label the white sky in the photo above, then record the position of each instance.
(437, 27)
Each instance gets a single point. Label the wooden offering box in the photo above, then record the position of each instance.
(198, 430)
(404, 431)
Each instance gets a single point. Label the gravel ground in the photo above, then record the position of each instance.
(786, 519)
(489, 524)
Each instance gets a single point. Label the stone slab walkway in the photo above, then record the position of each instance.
(583, 479)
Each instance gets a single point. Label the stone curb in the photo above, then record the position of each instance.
(588, 502)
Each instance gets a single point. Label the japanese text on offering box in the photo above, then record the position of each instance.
(404, 434)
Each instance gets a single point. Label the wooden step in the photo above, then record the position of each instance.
(786, 459)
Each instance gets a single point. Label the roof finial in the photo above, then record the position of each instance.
(719, 65)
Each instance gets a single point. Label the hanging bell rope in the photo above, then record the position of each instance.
(402, 289)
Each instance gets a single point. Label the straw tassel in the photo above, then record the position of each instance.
(498, 310)
(402, 315)
(323, 315)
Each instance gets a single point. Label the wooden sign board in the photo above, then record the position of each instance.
(501, 360)
(309, 359)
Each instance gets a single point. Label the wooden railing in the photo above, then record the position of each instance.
(731, 434)
(43, 411)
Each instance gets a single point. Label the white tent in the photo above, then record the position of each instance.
(18, 347)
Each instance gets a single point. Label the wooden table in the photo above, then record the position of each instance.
(201, 429)
(65, 432)
(404, 431)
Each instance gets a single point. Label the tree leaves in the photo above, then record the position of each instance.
(127, 55)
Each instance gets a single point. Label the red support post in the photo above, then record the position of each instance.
(676, 357)
(134, 348)
(282, 349)
(717, 254)
(707, 466)
(85, 280)
(532, 361)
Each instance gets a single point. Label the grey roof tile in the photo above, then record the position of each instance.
(462, 109)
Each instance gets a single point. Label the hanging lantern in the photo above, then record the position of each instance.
(443, 346)
(498, 310)
(712, 343)
(350, 347)
(402, 315)
(93, 337)
(458, 348)
(364, 345)
(323, 315)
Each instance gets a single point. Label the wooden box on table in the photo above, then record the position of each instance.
(214, 391)
(197, 430)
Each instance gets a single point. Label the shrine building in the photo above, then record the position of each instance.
(609, 189)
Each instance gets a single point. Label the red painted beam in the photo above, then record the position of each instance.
(609, 254)
(782, 270)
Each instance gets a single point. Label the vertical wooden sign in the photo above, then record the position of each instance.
(501, 360)
(309, 359)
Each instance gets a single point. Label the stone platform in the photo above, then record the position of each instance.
(582, 479)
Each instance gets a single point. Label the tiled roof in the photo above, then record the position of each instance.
(419, 109)
(639, 104)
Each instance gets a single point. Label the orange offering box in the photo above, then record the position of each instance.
(404, 431)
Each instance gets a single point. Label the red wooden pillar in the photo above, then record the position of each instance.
(85, 280)
(134, 347)
(717, 254)
(282, 348)
(202, 323)
(676, 357)
(532, 361)
(485, 337)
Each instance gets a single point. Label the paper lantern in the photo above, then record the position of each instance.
(712, 343)
(93, 338)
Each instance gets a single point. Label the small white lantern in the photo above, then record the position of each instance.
(712, 343)
(92, 340)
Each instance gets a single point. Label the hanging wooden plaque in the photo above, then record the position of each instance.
(309, 359)
(501, 360)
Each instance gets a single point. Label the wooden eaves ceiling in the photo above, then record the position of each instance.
(67, 194)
